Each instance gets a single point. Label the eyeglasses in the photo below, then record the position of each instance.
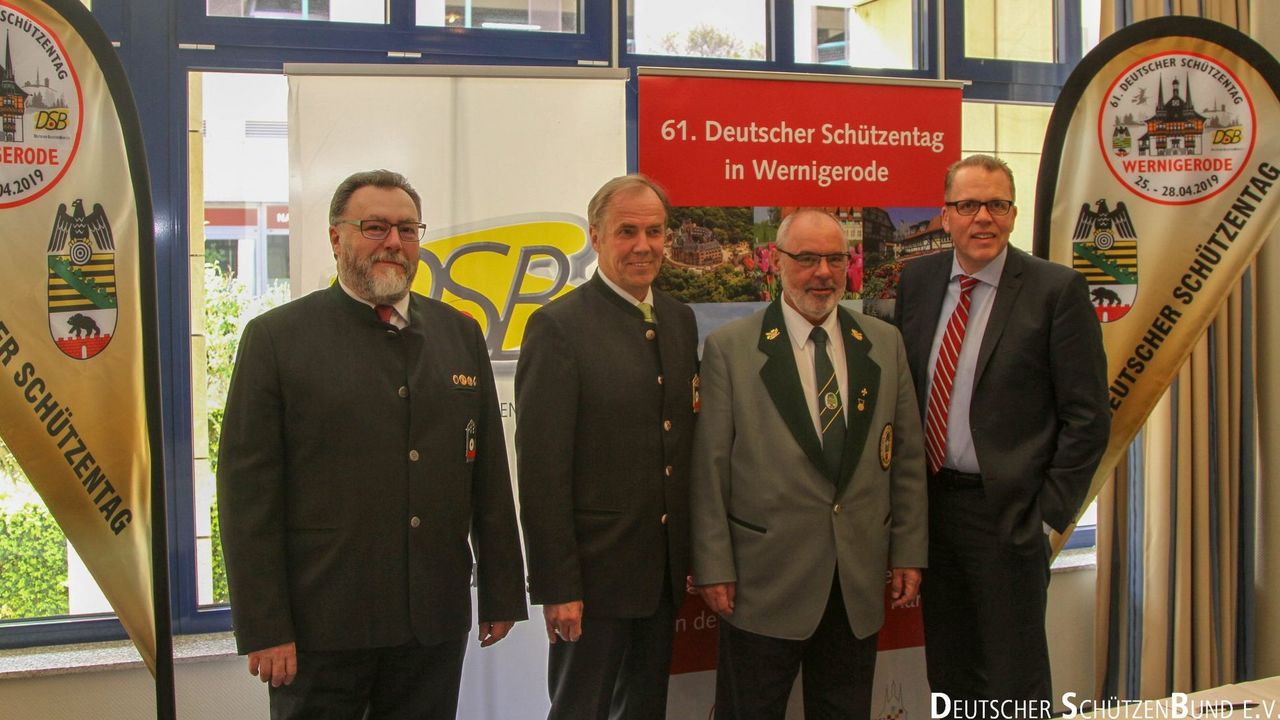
(971, 207)
(408, 232)
(809, 261)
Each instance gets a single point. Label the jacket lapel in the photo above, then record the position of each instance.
(782, 381)
(1001, 309)
(933, 290)
(863, 388)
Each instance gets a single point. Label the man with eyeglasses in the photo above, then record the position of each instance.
(808, 487)
(1006, 351)
(361, 449)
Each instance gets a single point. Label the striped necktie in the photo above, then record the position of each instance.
(944, 375)
(830, 407)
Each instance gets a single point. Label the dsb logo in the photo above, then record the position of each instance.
(1229, 136)
(51, 120)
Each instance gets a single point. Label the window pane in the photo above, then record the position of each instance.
(864, 33)
(240, 263)
(1015, 134)
(536, 15)
(358, 11)
(732, 29)
(40, 575)
(1009, 29)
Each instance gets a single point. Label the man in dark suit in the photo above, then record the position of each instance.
(362, 445)
(808, 486)
(1007, 355)
(606, 389)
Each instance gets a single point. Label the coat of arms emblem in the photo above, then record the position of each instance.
(1104, 248)
(82, 281)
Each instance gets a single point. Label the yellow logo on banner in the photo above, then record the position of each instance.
(500, 270)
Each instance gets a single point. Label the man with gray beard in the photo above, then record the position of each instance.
(362, 461)
(807, 489)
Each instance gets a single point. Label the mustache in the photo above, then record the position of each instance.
(391, 257)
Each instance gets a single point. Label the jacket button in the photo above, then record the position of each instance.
(667, 471)
(415, 521)
(413, 455)
(666, 425)
(659, 379)
(836, 509)
(664, 518)
(403, 391)
(650, 334)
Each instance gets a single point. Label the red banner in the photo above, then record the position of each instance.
(732, 141)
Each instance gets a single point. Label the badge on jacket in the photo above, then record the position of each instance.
(471, 441)
(886, 446)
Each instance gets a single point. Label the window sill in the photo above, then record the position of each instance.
(115, 655)
(1085, 558)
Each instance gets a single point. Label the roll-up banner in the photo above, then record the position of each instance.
(1158, 182)
(79, 407)
(505, 160)
(737, 152)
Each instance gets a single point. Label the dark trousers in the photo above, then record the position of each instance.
(617, 670)
(754, 673)
(410, 681)
(984, 604)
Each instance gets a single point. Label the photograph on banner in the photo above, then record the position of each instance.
(724, 254)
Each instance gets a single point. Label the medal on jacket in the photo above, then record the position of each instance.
(471, 441)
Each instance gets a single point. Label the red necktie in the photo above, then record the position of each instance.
(384, 312)
(944, 374)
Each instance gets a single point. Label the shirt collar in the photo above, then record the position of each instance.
(648, 293)
(989, 275)
(798, 328)
(401, 306)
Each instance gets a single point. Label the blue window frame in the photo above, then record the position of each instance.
(161, 41)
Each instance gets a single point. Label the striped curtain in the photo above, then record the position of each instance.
(1177, 530)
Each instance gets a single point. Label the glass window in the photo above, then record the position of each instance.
(242, 262)
(1009, 30)
(864, 33)
(729, 29)
(537, 15)
(1015, 134)
(358, 11)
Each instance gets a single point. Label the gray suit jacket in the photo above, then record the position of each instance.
(765, 514)
(1039, 413)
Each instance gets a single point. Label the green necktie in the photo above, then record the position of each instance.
(830, 407)
(647, 310)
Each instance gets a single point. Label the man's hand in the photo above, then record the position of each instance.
(492, 632)
(904, 588)
(719, 597)
(277, 665)
(564, 621)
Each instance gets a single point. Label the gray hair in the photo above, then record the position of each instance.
(986, 162)
(784, 228)
(386, 179)
(622, 183)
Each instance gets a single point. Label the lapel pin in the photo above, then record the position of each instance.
(856, 334)
(862, 404)
(863, 393)
(772, 334)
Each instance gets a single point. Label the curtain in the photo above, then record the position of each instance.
(1177, 524)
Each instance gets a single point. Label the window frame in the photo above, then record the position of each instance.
(161, 41)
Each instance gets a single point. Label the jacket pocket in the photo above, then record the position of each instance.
(743, 523)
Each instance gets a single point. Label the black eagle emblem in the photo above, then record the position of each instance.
(78, 227)
(1102, 225)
